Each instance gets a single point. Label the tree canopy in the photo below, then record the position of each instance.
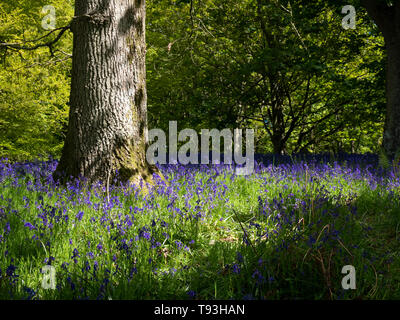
(287, 68)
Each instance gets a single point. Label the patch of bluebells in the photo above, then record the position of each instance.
(181, 246)
(203, 193)
(11, 274)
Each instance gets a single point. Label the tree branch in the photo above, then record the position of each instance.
(49, 44)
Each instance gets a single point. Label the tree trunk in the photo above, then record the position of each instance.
(277, 143)
(387, 18)
(391, 137)
(108, 108)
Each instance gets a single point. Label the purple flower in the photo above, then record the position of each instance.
(239, 257)
(133, 270)
(258, 277)
(179, 244)
(235, 268)
(75, 254)
(172, 271)
(10, 270)
(31, 292)
(49, 260)
(79, 215)
(311, 240)
(29, 225)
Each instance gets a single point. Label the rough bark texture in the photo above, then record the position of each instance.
(108, 107)
(387, 19)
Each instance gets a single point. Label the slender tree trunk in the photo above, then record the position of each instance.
(278, 130)
(277, 143)
(108, 107)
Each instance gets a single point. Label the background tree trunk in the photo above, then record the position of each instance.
(387, 18)
(108, 107)
(391, 137)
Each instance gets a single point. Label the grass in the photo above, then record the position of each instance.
(283, 233)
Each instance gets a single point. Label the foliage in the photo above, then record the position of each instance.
(288, 69)
(34, 84)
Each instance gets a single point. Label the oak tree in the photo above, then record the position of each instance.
(108, 117)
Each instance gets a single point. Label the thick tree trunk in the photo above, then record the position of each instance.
(108, 110)
(391, 137)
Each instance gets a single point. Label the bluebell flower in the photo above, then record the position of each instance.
(235, 268)
(10, 270)
(79, 215)
(75, 254)
(30, 291)
(179, 244)
(29, 225)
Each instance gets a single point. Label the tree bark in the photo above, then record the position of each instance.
(108, 102)
(387, 18)
(391, 137)
(278, 144)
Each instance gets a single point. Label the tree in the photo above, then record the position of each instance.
(108, 117)
(387, 18)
